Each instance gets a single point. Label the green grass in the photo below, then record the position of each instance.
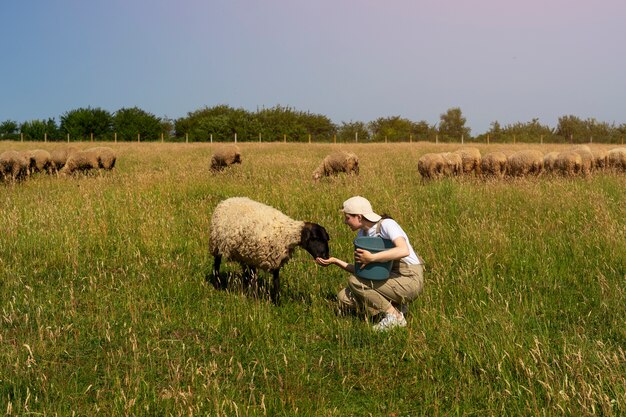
(105, 311)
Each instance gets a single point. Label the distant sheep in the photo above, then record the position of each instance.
(587, 158)
(14, 166)
(453, 164)
(260, 236)
(39, 160)
(89, 159)
(431, 166)
(337, 162)
(569, 163)
(525, 162)
(493, 164)
(600, 159)
(224, 157)
(549, 161)
(471, 160)
(617, 159)
(58, 157)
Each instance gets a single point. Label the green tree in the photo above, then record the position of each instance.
(83, 122)
(37, 130)
(130, 122)
(353, 131)
(452, 126)
(8, 129)
(392, 129)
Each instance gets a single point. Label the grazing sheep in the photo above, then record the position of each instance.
(39, 160)
(59, 157)
(225, 156)
(600, 159)
(453, 164)
(587, 158)
(525, 162)
(549, 161)
(106, 157)
(569, 163)
(617, 159)
(431, 166)
(80, 161)
(493, 164)
(259, 236)
(337, 162)
(471, 160)
(14, 166)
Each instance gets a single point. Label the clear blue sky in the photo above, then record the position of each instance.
(498, 60)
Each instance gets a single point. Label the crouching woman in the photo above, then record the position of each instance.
(390, 296)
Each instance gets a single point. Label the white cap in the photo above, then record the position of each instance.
(360, 205)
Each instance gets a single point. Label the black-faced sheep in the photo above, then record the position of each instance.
(224, 157)
(431, 166)
(471, 160)
(337, 162)
(259, 236)
(14, 166)
(493, 164)
(39, 160)
(569, 163)
(525, 162)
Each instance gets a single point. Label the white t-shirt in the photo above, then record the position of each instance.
(390, 229)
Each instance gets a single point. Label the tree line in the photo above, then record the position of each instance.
(225, 123)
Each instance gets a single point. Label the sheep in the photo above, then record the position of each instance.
(586, 156)
(493, 164)
(617, 158)
(59, 157)
(14, 166)
(337, 162)
(260, 236)
(525, 162)
(106, 157)
(431, 166)
(549, 161)
(600, 159)
(80, 161)
(453, 164)
(39, 160)
(569, 163)
(471, 160)
(225, 156)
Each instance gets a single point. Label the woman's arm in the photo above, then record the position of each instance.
(399, 251)
(335, 261)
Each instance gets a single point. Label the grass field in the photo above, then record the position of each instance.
(105, 311)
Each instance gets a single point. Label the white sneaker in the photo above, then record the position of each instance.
(390, 321)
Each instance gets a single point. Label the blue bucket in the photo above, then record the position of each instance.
(373, 270)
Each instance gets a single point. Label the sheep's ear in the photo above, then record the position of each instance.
(305, 234)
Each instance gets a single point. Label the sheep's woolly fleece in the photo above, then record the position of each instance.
(253, 233)
(225, 156)
(336, 162)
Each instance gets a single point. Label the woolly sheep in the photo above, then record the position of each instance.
(58, 157)
(587, 158)
(493, 164)
(569, 163)
(549, 160)
(337, 162)
(600, 159)
(80, 161)
(453, 164)
(38, 160)
(471, 160)
(106, 157)
(525, 162)
(260, 236)
(225, 156)
(431, 166)
(14, 166)
(617, 158)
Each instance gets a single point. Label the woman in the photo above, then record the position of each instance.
(405, 281)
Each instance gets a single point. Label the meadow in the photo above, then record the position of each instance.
(105, 310)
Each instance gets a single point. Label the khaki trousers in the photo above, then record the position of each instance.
(404, 284)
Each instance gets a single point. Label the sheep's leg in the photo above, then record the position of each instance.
(275, 290)
(250, 277)
(217, 281)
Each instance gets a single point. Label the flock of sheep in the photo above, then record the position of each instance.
(575, 161)
(16, 166)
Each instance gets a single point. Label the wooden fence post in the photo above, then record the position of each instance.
(235, 137)
(45, 137)
(285, 138)
(115, 137)
(68, 138)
